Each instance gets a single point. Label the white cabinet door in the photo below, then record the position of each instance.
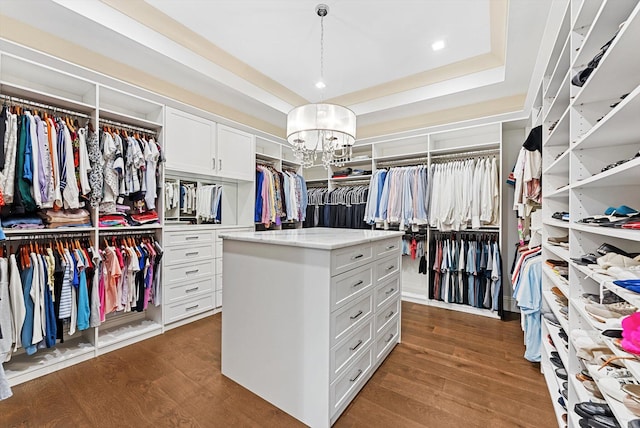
(236, 154)
(190, 143)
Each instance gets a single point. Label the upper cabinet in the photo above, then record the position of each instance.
(236, 151)
(190, 143)
(200, 146)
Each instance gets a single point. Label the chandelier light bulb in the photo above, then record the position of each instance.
(320, 84)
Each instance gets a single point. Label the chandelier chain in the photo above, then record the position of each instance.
(322, 53)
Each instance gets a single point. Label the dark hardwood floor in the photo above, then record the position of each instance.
(452, 370)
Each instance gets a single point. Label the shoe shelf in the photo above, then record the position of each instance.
(562, 192)
(553, 386)
(554, 332)
(556, 223)
(555, 308)
(627, 174)
(559, 251)
(605, 23)
(585, 14)
(556, 279)
(559, 136)
(560, 166)
(632, 366)
(619, 127)
(620, 411)
(620, 65)
(629, 296)
(558, 105)
(632, 235)
(561, 70)
(579, 304)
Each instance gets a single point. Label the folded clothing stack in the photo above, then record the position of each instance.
(23, 222)
(147, 217)
(66, 218)
(119, 219)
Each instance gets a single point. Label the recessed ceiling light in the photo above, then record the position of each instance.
(436, 46)
(320, 84)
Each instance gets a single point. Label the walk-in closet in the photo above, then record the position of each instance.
(242, 213)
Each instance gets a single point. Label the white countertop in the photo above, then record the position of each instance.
(317, 237)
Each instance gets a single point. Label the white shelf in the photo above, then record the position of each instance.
(561, 193)
(610, 14)
(559, 166)
(614, 232)
(585, 15)
(556, 223)
(559, 104)
(23, 367)
(554, 332)
(620, 65)
(561, 70)
(622, 414)
(633, 366)
(579, 305)
(463, 308)
(404, 156)
(556, 279)
(464, 148)
(78, 230)
(112, 338)
(42, 97)
(129, 120)
(549, 297)
(130, 228)
(559, 136)
(352, 178)
(627, 174)
(559, 251)
(552, 385)
(266, 157)
(618, 128)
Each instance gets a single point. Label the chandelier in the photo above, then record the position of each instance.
(329, 129)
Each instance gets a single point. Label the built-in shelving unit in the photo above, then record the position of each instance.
(589, 164)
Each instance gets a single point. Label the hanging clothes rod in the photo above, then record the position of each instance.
(265, 162)
(481, 230)
(127, 126)
(25, 102)
(465, 155)
(403, 162)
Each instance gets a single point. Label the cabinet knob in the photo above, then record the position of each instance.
(359, 256)
(358, 283)
(389, 338)
(391, 290)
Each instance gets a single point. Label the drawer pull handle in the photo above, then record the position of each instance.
(389, 315)
(189, 238)
(190, 308)
(192, 253)
(356, 315)
(391, 247)
(391, 290)
(356, 346)
(389, 338)
(189, 272)
(358, 283)
(390, 267)
(189, 290)
(353, 379)
(357, 257)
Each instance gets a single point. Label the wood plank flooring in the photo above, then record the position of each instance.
(452, 370)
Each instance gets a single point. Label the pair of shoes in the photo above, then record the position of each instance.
(621, 211)
(586, 259)
(620, 162)
(608, 248)
(607, 297)
(558, 239)
(551, 318)
(589, 410)
(634, 423)
(611, 311)
(562, 373)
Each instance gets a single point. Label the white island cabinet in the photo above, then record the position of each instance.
(309, 315)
